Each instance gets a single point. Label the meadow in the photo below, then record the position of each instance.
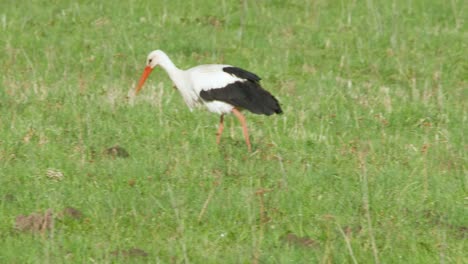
(368, 163)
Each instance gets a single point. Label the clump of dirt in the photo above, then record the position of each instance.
(44, 221)
(35, 222)
(351, 230)
(294, 240)
(462, 231)
(117, 152)
(9, 198)
(132, 252)
(131, 182)
(71, 212)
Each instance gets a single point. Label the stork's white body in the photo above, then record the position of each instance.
(200, 78)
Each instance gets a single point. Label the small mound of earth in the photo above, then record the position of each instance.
(294, 240)
(35, 222)
(9, 197)
(71, 212)
(43, 221)
(117, 151)
(132, 252)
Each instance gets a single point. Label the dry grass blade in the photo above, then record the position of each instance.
(365, 201)
(54, 174)
(205, 205)
(348, 243)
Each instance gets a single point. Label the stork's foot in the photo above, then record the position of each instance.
(220, 129)
(241, 118)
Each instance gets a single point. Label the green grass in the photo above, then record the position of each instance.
(367, 164)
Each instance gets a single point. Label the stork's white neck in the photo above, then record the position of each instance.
(179, 78)
(167, 64)
(177, 75)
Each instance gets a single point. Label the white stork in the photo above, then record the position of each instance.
(223, 89)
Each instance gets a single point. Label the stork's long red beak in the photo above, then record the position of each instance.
(143, 78)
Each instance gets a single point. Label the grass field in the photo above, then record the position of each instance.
(368, 163)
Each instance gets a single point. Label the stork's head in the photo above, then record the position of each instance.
(155, 58)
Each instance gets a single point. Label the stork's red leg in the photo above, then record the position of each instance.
(220, 129)
(241, 118)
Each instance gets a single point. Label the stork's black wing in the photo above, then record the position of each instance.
(241, 73)
(247, 94)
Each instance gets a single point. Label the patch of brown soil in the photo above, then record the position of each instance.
(294, 240)
(132, 252)
(35, 222)
(117, 152)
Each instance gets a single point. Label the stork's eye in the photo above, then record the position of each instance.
(149, 61)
